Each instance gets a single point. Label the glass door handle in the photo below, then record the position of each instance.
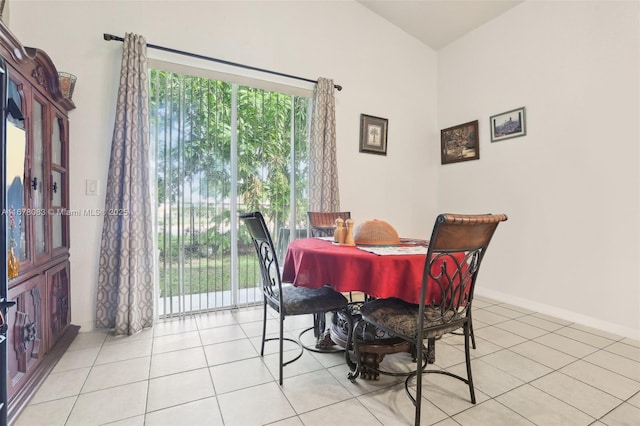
(5, 304)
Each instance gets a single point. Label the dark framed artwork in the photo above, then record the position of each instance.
(373, 134)
(507, 125)
(460, 143)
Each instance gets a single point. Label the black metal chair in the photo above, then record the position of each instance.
(323, 224)
(287, 299)
(457, 246)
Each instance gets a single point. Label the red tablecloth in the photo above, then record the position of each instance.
(313, 263)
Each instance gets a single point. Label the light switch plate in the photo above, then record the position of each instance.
(92, 187)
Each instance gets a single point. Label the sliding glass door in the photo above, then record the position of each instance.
(221, 148)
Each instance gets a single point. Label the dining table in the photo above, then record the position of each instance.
(378, 272)
(381, 272)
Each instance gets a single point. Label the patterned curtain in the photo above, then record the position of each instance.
(125, 282)
(323, 163)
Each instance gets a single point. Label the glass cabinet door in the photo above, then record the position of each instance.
(59, 220)
(16, 148)
(56, 142)
(37, 179)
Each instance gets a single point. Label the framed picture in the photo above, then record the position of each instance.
(460, 143)
(373, 134)
(507, 125)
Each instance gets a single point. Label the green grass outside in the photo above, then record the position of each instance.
(205, 275)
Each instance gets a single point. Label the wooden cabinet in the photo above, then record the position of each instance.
(58, 312)
(39, 324)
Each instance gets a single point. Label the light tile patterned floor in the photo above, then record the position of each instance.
(205, 369)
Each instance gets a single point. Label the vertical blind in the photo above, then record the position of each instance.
(206, 153)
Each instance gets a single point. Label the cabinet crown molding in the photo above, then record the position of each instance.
(44, 72)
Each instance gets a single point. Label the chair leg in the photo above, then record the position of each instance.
(319, 324)
(280, 340)
(264, 327)
(281, 344)
(473, 336)
(431, 350)
(467, 356)
(352, 340)
(419, 369)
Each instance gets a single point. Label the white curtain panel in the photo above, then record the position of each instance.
(323, 164)
(125, 297)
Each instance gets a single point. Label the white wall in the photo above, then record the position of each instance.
(571, 185)
(384, 72)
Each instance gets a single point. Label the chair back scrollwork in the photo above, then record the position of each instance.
(269, 268)
(456, 249)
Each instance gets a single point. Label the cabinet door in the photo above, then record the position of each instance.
(26, 342)
(38, 184)
(59, 196)
(18, 192)
(58, 308)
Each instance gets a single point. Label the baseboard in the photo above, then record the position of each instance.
(563, 314)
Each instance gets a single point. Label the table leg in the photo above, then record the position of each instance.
(372, 354)
(372, 348)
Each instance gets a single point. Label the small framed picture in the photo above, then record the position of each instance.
(373, 134)
(460, 143)
(507, 125)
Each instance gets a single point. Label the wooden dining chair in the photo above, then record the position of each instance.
(284, 298)
(457, 246)
(323, 224)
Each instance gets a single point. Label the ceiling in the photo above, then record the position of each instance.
(438, 22)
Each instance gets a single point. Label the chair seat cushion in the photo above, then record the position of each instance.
(400, 317)
(302, 300)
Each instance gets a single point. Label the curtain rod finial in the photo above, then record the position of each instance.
(338, 87)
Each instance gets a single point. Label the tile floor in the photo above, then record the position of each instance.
(206, 370)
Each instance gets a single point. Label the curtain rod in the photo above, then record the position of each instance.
(110, 37)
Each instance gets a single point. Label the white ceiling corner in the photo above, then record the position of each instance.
(437, 23)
